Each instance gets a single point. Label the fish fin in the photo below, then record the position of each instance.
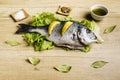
(23, 28)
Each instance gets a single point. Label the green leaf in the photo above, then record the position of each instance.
(109, 29)
(43, 19)
(67, 19)
(34, 60)
(98, 64)
(86, 48)
(38, 41)
(63, 68)
(43, 45)
(12, 42)
(90, 24)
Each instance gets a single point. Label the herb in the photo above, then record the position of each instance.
(43, 19)
(65, 9)
(98, 64)
(34, 60)
(109, 29)
(63, 68)
(86, 48)
(12, 42)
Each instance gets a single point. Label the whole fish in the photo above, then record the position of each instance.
(75, 37)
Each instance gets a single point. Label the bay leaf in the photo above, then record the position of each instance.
(109, 29)
(98, 64)
(12, 42)
(63, 68)
(34, 60)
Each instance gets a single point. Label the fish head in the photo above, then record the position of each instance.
(85, 35)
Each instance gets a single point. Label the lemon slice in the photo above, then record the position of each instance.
(52, 26)
(66, 26)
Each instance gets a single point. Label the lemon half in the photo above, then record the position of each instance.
(52, 26)
(66, 26)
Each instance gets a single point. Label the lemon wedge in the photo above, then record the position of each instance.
(66, 26)
(52, 26)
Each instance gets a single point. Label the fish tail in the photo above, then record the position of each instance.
(24, 28)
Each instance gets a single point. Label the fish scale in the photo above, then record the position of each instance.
(75, 37)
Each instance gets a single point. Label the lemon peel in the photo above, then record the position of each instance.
(52, 26)
(66, 26)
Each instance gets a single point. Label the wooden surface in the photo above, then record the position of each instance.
(13, 65)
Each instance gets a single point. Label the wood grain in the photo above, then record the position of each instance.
(13, 65)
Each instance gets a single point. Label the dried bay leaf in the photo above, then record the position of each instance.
(63, 68)
(98, 64)
(34, 60)
(109, 29)
(12, 42)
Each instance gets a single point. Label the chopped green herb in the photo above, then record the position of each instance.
(63, 68)
(12, 42)
(98, 64)
(34, 60)
(109, 29)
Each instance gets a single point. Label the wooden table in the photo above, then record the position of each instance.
(13, 65)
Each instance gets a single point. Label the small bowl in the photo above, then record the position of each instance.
(98, 12)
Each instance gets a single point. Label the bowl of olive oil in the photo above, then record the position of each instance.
(98, 12)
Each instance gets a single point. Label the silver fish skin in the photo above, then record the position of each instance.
(76, 37)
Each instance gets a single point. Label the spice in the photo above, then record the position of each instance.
(64, 10)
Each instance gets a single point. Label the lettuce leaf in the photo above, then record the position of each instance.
(43, 19)
(86, 48)
(38, 41)
(90, 24)
(67, 19)
(43, 45)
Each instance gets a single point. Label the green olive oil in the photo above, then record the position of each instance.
(99, 12)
